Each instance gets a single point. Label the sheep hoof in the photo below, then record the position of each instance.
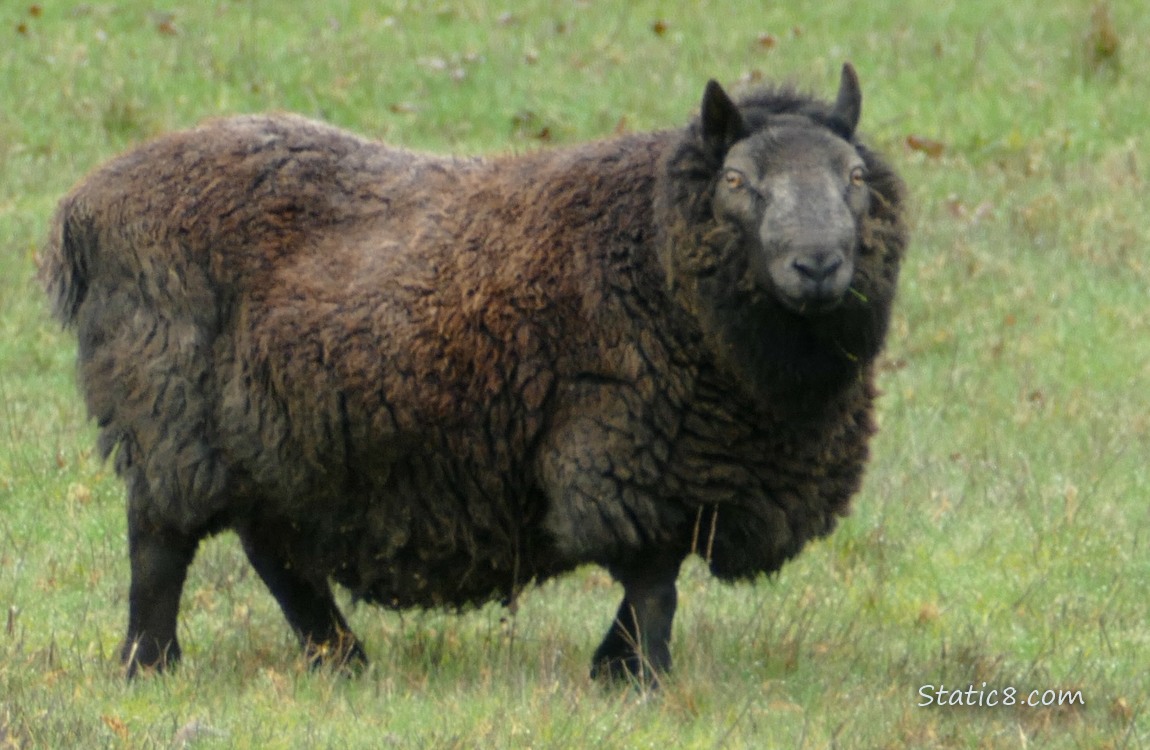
(144, 656)
(618, 661)
(344, 655)
(631, 670)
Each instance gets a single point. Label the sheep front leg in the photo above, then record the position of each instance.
(638, 644)
(159, 564)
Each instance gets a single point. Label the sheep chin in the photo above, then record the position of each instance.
(808, 305)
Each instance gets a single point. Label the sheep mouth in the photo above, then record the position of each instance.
(808, 298)
(810, 304)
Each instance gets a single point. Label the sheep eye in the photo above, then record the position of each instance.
(734, 179)
(858, 176)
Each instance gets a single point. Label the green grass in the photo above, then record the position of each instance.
(1003, 535)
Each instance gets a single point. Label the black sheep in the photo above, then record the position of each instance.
(436, 380)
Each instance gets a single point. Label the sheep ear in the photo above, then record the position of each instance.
(848, 104)
(722, 123)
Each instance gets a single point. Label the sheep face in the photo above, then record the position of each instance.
(797, 197)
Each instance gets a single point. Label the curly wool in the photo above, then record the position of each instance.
(436, 380)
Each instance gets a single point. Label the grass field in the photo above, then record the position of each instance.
(1002, 539)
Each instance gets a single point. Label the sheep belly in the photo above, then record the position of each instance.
(423, 533)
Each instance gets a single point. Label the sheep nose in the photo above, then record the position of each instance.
(817, 268)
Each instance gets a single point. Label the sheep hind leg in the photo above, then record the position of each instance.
(159, 563)
(309, 607)
(637, 647)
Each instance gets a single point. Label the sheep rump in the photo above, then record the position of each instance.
(436, 380)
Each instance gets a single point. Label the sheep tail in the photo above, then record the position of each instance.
(65, 262)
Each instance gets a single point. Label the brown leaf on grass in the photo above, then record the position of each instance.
(928, 613)
(79, 493)
(22, 28)
(1120, 710)
(659, 27)
(1102, 40)
(35, 11)
(528, 124)
(166, 24)
(767, 41)
(928, 146)
(118, 727)
(960, 210)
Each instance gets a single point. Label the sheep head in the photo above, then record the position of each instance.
(797, 196)
(782, 236)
